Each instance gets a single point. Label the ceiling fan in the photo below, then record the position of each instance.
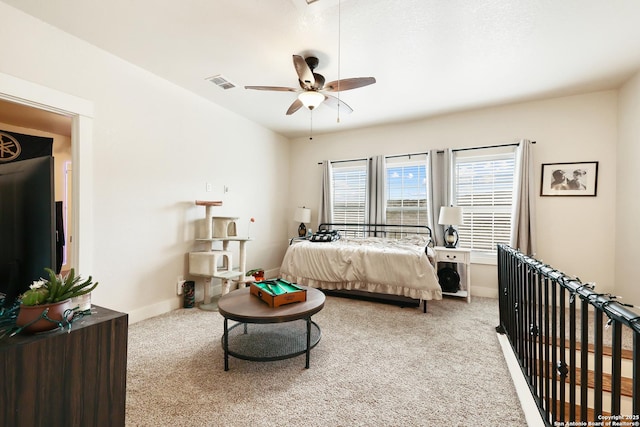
(312, 87)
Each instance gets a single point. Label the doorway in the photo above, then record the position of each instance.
(24, 119)
(76, 115)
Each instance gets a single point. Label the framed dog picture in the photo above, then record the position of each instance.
(569, 179)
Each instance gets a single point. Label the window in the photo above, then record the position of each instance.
(406, 188)
(349, 191)
(482, 184)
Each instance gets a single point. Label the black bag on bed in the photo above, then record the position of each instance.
(449, 279)
(325, 236)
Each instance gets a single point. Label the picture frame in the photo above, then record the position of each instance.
(569, 179)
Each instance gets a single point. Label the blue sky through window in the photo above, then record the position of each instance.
(406, 182)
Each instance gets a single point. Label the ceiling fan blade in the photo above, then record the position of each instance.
(294, 107)
(319, 83)
(305, 75)
(276, 88)
(346, 84)
(336, 103)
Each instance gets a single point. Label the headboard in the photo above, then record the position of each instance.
(391, 231)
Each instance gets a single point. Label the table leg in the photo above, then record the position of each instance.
(308, 341)
(225, 344)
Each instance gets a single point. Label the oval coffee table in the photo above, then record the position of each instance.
(265, 341)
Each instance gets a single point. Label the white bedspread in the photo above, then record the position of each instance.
(369, 264)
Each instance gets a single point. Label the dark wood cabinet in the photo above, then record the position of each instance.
(67, 379)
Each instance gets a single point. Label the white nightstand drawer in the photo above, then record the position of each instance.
(453, 255)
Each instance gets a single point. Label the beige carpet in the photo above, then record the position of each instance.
(376, 365)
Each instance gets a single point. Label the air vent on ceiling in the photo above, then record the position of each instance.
(221, 81)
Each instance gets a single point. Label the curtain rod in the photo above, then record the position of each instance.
(416, 154)
(345, 161)
(406, 155)
(486, 146)
(365, 159)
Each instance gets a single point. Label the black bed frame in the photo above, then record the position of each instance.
(391, 231)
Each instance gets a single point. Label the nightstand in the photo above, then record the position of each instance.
(297, 239)
(462, 258)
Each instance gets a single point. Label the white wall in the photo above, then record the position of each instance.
(154, 147)
(628, 203)
(572, 232)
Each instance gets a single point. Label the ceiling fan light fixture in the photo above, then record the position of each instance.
(311, 99)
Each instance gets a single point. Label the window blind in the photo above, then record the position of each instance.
(349, 191)
(483, 187)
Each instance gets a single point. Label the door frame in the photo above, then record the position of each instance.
(81, 112)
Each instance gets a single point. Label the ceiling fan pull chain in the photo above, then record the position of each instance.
(311, 125)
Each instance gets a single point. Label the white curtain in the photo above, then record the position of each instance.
(325, 207)
(439, 190)
(523, 214)
(376, 174)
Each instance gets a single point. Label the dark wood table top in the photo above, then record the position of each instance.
(98, 315)
(241, 306)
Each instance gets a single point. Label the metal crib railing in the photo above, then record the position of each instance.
(541, 312)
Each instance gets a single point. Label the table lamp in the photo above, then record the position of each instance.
(302, 215)
(450, 215)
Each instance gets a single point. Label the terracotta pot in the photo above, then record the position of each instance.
(28, 313)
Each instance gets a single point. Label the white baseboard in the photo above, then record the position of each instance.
(531, 413)
(166, 306)
(273, 273)
(156, 309)
(484, 292)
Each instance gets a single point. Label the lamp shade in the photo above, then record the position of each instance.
(311, 99)
(302, 215)
(450, 215)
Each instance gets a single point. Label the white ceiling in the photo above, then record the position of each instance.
(429, 57)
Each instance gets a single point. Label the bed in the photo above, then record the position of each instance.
(392, 263)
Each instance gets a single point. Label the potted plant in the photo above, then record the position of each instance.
(257, 273)
(47, 304)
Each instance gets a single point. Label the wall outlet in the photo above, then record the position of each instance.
(208, 187)
(179, 286)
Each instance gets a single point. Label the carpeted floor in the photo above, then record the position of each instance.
(376, 365)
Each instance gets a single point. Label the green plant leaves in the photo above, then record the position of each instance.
(70, 286)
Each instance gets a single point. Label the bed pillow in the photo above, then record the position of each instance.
(325, 236)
